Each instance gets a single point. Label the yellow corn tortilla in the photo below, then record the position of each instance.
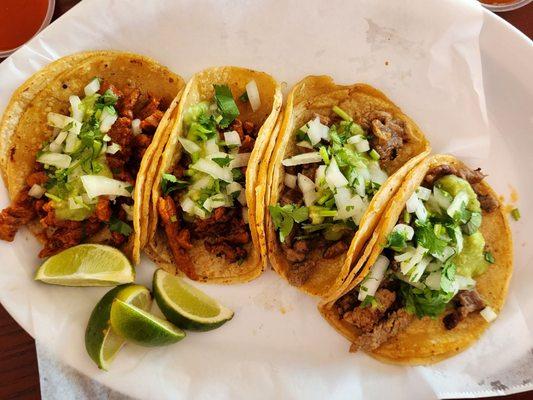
(24, 126)
(426, 341)
(318, 94)
(208, 267)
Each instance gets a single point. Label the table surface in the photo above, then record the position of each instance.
(19, 375)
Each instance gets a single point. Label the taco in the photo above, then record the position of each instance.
(204, 199)
(434, 274)
(78, 134)
(341, 154)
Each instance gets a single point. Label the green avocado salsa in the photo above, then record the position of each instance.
(437, 246)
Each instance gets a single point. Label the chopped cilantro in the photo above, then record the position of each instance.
(116, 225)
(170, 183)
(448, 276)
(369, 301)
(397, 240)
(426, 237)
(285, 216)
(223, 161)
(515, 213)
(422, 302)
(226, 105)
(489, 257)
(237, 174)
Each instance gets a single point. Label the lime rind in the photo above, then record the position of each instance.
(101, 343)
(141, 327)
(87, 265)
(178, 314)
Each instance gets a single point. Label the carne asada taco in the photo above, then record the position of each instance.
(75, 145)
(434, 274)
(341, 154)
(204, 193)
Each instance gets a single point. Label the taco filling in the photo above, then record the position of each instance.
(429, 264)
(83, 177)
(204, 196)
(328, 184)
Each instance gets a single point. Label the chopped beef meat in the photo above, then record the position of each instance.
(249, 128)
(395, 323)
(36, 178)
(336, 249)
(300, 272)
(365, 318)
(297, 252)
(247, 144)
(236, 126)
(148, 108)
(291, 196)
(488, 202)
(388, 135)
(323, 119)
(229, 253)
(20, 213)
(346, 303)
(468, 301)
(65, 234)
(437, 172)
(126, 103)
(178, 238)
(140, 145)
(109, 86)
(309, 170)
(151, 122)
(103, 209)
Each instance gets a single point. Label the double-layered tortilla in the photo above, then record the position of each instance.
(205, 211)
(75, 141)
(340, 155)
(434, 274)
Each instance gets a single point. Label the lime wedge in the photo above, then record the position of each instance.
(87, 265)
(101, 342)
(186, 306)
(141, 327)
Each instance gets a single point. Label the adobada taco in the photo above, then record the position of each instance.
(204, 192)
(76, 142)
(434, 274)
(341, 154)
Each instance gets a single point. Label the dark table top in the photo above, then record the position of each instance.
(19, 375)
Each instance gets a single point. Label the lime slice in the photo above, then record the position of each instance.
(141, 327)
(186, 306)
(101, 342)
(87, 265)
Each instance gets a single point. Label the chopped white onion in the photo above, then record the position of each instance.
(307, 186)
(55, 159)
(348, 205)
(107, 120)
(113, 148)
(128, 210)
(240, 160)
(92, 87)
(417, 273)
(304, 144)
(212, 168)
(107, 138)
(458, 236)
(75, 203)
(459, 201)
(253, 95)
(242, 198)
(245, 217)
(442, 198)
(304, 158)
(211, 146)
(415, 259)
(362, 146)
(432, 281)
(317, 131)
(76, 110)
(447, 252)
(320, 175)
(423, 193)
(98, 185)
(464, 282)
(290, 180)
(360, 186)
(488, 314)
(187, 205)
(376, 173)
(199, 212)
(201, 183)
(405, 230)
(421, 212)
(355, 139)
(371, 283)
(215, 201)
(71, 143)
(232, 138)
(55, 148)
(334, 176)
(234, 187)
(189, 146)
(58, 120)
(412, 203)
(406, 255)
(136, 126)
(36, 191)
